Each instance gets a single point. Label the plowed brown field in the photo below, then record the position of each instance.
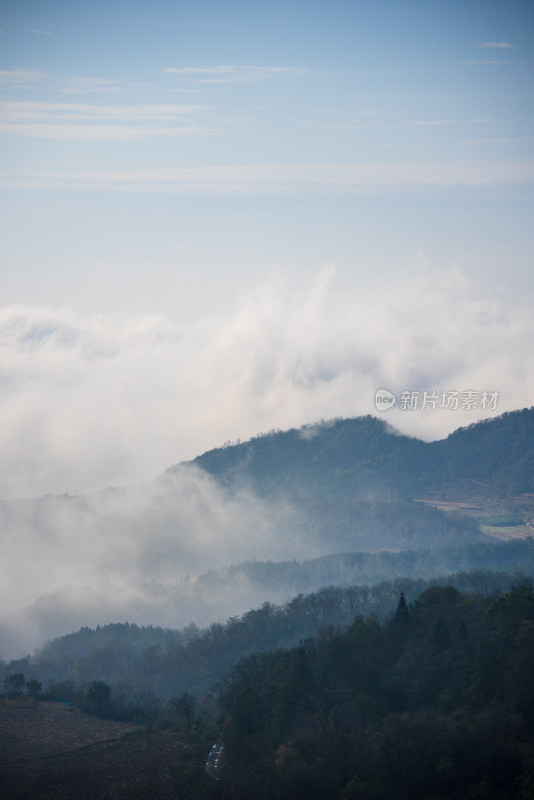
(50, 751)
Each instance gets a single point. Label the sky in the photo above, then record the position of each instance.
(223, 218)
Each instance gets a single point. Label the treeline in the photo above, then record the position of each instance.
(333, 458)
(95, 696)
(218, 594)
(378, 520)
(499, 450)
(146, 665)
(437, 702)
(433, 700)
(291, 577)
(231, 590)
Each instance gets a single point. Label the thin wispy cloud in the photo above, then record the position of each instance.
(12, 110)
(55, 121)
(90, 85)
(373, 121)
(494, 61)
(438, 122)
(280, 179)
(498, 45)
(358, 124)
(64, 28)
(40, 32)
(232, 74)
(21, 78)
(510, 140)
(100, 133)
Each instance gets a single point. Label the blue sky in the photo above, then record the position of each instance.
(196, 195)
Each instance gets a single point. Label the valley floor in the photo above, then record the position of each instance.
(50, 751)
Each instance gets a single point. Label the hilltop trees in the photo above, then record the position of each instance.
(184, 707)
(16, 684)
(98, 698)
(34, 688)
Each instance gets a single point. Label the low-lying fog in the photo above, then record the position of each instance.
(131, 554)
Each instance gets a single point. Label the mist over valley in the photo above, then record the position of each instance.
(291, 505)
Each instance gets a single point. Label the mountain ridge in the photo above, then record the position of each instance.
(491, 447)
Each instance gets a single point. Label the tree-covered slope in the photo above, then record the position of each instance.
(436, 703)
(361, 455)
(162, 663)
(366, 455)
(431, 701)
(497, 451)
(354, 480)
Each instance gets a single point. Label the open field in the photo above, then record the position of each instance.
(49, 750)
(451, 505)
(501, 532)
(507, 532)
(481, 504)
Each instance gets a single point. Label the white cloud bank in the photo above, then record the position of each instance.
(129, 554)
(88, 402)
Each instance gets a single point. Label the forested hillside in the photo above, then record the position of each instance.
(144, 666)
(434, 699)
(352, 455)
(436, 703)
(498, 452)
(277, 581)
(355, 480)
(364, 455)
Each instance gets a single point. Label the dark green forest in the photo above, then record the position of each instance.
(146, 665)
(437, 702)
(434, 701)
(280, 579)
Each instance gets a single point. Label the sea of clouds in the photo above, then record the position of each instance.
(89, 402)
(92, 401)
